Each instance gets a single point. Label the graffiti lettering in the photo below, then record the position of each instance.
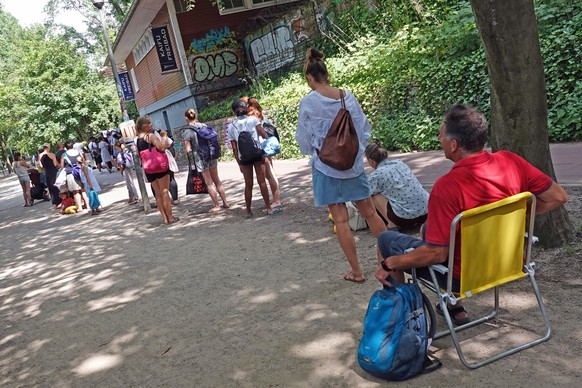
(208, 67)
(277, 44)
(211, 39)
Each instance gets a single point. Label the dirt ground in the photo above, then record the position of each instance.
(221, 301)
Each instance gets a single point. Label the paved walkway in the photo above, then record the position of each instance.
(428, 167)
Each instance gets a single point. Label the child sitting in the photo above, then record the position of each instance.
(67, 203)
(125, 165)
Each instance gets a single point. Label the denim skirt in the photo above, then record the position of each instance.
(329, 191)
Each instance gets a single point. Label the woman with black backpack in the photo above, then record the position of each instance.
(205, 153)
(244, 133)
(255, 109)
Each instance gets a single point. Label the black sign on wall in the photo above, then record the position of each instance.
(164, 48)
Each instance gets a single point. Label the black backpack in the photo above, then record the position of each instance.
(208, 147)
(248, 147)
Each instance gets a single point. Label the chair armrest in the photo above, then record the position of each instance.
(437, 267)
(440, 268)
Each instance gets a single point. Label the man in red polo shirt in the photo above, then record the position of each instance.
(477, 178)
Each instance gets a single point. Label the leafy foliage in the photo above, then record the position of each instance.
(407, 69)
(64, 98)
(49, 91)
(561, 45)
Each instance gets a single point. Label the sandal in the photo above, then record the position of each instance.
(453, 313)
(356, 278)
(430, 365)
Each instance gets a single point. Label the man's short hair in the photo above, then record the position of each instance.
(467, 126)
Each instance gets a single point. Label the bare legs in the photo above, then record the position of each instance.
(375, 223)
(381, 205)
(273, 182)
(368, 211)
(215, 187)
(162, 193)
(211, 190)
(247, 172)
(339, 212)
(26, 193)
(78, 200)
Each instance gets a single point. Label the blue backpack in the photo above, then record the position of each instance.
(208, 147)
(395, 341)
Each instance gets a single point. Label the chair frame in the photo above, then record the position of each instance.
(447, 296)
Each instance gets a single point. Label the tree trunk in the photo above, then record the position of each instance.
(518, 95)
(5, 156)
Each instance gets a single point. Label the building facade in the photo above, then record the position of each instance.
(178, 59)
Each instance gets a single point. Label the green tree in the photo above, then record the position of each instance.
(9, 96)
(64, 98)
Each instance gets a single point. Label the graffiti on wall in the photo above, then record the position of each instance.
(277, 43)
(214, 40)
(212, 71)
(273, 46)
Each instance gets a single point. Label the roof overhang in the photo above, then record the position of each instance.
(138, 20)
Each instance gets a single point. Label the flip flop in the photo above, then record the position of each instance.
(276, 211)
(248, 216)
(350, 277)
(453, 312)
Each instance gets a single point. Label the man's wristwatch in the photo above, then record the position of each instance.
(386, 268)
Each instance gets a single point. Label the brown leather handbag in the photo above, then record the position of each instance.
(340, 146)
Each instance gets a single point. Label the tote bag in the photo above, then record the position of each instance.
(61, 178)
(154, 161)
(195, 183)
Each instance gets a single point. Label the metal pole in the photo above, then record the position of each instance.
(137, 161)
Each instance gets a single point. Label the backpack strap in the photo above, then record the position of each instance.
(68, 159)
(342, 95)
(196, 146)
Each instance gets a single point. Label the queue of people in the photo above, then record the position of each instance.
(390, 198)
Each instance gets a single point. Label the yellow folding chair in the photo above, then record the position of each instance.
(495, 247)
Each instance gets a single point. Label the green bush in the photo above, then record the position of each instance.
(407, 71)
(560, 29)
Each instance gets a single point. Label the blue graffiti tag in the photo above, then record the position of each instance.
(211, 39)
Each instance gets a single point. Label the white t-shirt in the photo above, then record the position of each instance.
(243, 123)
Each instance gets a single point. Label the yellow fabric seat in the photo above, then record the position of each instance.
(495, 247)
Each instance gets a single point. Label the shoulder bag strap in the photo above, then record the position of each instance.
(342, 95)
(68, 160)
